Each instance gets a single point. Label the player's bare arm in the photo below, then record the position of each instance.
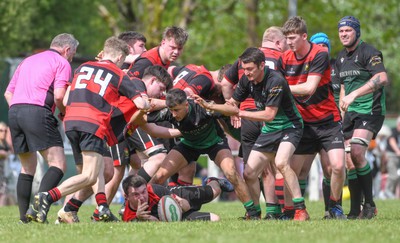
(227, 88)
(8, 95)
(377, 81)
(266, 115)
(307, 88)
(159, 131)
(230, 108)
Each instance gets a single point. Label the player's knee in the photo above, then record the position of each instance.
(108, 174)
(89, 179)
(232, 177)
(337, 167)
(281, 167)
(61, 164)
(249, 174)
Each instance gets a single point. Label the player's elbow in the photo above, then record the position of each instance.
(384, 79)
(309, 90)
(7, 96)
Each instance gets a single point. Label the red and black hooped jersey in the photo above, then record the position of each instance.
(235, 73)
(319, 107)
(148, 58)
(123, 112)
(95, 92)
(197, 78)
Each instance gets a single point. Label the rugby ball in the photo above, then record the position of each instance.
(169, 210)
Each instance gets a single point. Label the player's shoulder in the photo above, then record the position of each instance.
(368, 50)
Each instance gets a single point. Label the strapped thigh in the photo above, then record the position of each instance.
(361, 141)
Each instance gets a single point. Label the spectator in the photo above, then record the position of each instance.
(393, 162)
(5, 151)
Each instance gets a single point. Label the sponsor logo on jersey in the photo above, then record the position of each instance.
(375, 60)
(286, 137)
(291, 71)
(275, 91)
(349, 73)
(333, 72)
(337, 140)
(306, 67)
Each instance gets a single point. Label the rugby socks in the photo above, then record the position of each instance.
(172, 184)
(355, 192)
(24, 189)
(250, 207)
(101, 199)
(173, 180)
(73, 205)
(288, 211)
(326, 191)
(53, 195)
(183, 183)
(299, 203)
(273, 208)
(51, 179)
(279, 191)
(333, 202)
(365, 179)
(303, 186)
(144, 174)
(249, 204)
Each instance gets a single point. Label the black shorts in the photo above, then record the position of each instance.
(83, 141)
(33, 128)
(192, 154)
(269, 142)
(196, 215)
(319, 137)
(353, 120)
(143, 142)
(196, 195)
(250, 131)
(120, 154)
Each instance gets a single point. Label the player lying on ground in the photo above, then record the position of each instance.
(142, 199)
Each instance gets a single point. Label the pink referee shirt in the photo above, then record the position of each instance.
(36, 78)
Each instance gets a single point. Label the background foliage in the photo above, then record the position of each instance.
(219, 30)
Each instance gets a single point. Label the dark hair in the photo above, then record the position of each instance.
(160, 73)
(131, 37)
(177, 33)
(252, 54)
(295, 25)
(175, 97)
(222, 70)
(134, 181)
